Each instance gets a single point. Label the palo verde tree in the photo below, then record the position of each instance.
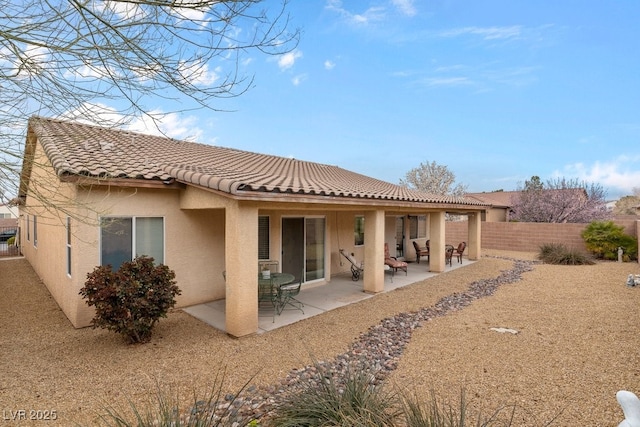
(559, 201)
(112, 61)
(433, 178)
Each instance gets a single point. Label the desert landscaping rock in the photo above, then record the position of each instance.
(577, 346)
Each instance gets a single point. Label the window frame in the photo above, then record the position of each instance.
(35, 231)
(133, 237)
(417, 227)
(264, 238)
(68, 246)
(358, 230)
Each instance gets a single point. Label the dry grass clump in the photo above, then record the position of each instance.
(559, 254)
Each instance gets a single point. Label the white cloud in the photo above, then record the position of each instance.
(447, 81)
(405, 6)
(155, 122)
(288, 60)
(372, 14)
(172, 125)
(329, 65)
(621, 174)
(486, 33)
(198, 73)
(298, 79)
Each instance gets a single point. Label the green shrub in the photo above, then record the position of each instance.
(603, 238)
(557, 253)
(131, 300)
(11, 241)
(353, 401)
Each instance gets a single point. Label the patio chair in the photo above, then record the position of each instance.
(287, 295)
(421, 251)
(268, 294)
(357, 268)
(459, 251)
(393, 262)
(448, 254)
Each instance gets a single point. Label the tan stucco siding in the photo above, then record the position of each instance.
(48, 254)
(496, 215)
(194, 239)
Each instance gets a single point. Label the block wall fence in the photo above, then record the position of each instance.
(529, 236)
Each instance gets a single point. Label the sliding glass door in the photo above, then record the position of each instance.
(303, 247)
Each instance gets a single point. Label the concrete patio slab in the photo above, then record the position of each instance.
(320, 297)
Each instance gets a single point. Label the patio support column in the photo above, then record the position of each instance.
(241, 264)
(437, 242)
(374, 251)
(474, 230)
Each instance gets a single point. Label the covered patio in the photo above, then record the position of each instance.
(320, 297)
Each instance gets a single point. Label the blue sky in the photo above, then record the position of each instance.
(498, 91)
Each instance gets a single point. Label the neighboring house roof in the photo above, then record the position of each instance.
(91, 151)
(495, 198)
(9, 222)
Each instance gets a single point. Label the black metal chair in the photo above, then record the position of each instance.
(287, 295)
(268, 294)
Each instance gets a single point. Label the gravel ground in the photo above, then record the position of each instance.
(576, 346)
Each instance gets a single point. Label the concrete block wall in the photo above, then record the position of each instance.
(527, 236)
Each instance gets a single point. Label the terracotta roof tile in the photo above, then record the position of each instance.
(495, 198)
(81, 149)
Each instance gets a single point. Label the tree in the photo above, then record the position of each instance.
(627, 205)
(559, 201)
(433, 178)
(109, 62)
(534, 184)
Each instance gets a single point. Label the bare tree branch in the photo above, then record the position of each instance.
(107, 61)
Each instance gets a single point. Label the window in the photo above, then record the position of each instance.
(263, 237)
(35, 231)
(69, 246)
(28, 228)
(359, 231)
(417, 227)
(122, 237)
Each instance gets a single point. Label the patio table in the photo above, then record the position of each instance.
(277, 279)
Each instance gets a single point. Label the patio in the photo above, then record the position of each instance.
(320, 297)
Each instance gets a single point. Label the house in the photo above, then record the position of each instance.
(499, 204)
(8, 212)
(96, 196)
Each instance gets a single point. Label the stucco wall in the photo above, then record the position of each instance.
(194, 239)
(47, 255)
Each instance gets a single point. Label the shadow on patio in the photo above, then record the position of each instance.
(320, 297)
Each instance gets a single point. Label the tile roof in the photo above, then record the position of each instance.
(79, 149)
(495, 198)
